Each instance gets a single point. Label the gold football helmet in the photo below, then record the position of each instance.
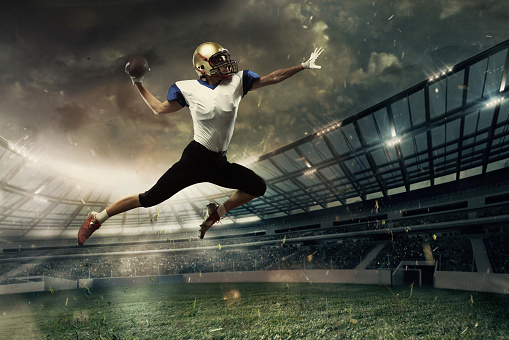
(210, 57)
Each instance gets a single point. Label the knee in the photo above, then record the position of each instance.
(260, 188)
(147, 200)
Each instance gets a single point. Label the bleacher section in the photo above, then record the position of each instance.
(337, 238)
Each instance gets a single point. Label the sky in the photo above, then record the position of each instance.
(66, 101)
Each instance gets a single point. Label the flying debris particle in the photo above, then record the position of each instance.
(62, 93)
(232, 295)
(152, 279)
(215, 330)
(390, 18)
(66, 300)
(489, 36)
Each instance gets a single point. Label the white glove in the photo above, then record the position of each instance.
(310, 63)
(134, 79)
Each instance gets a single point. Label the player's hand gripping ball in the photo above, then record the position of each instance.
(137, 68)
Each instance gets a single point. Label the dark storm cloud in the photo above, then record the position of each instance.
(71, 117)
(65, 66)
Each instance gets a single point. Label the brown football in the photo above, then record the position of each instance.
(137, 67)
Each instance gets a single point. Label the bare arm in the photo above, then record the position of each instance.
(276, 76)
(155, 105)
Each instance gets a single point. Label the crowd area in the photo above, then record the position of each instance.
(453, 253)
(497, 249)
(276, 257)
(284, 251)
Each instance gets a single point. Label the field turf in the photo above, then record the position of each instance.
(255, 311)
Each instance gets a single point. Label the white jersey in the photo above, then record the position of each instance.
(213, 108)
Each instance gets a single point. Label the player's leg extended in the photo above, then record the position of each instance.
(231, 175)
(179, 176)
(96, 219)
(237, 199)
(157, 194)
(123, 205)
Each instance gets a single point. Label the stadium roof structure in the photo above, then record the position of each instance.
(451, 126)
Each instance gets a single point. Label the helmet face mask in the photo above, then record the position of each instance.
(213, 60)
(222, 60)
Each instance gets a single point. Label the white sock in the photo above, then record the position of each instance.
(102, 216)
(221, 211)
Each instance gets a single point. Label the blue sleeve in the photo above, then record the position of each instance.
(174, 93)
(248, 77)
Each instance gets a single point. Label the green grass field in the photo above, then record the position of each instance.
(255, 311)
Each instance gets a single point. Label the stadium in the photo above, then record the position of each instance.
(390, 223)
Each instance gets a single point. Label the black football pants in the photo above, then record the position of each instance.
(199, 164)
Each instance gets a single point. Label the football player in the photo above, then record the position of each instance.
(213, 101)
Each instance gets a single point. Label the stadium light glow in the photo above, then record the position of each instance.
(329, 129)
(247, 219)
(494, 102)
(394, 141)
(40, 199)
(21, 151)
(440, 73)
